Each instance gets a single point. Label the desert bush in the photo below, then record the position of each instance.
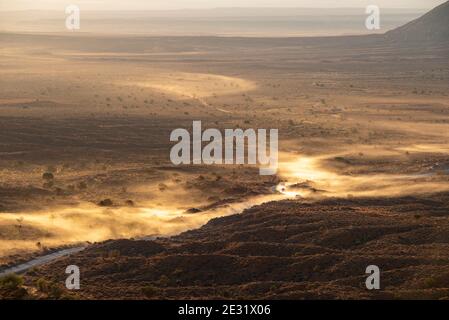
(129, 203)
(11, 282)
(105, 203)
(48, 176)
(51, 289)
(43, 285)
(11, 287)
(149, 291)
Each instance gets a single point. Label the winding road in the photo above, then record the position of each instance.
(41, 260)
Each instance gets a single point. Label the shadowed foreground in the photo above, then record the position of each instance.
(287, 249)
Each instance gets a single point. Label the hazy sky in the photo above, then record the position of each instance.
(195, 4)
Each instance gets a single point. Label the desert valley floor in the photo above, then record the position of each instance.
(85, 126)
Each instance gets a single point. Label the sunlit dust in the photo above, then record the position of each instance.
(302, 176)
(88, 222)
(319, 181)
(195, 85)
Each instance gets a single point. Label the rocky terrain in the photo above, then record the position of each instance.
(281, 250)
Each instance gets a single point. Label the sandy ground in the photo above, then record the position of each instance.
(357, 118)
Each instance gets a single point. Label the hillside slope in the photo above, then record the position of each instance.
(288, 249)
(431, 27)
